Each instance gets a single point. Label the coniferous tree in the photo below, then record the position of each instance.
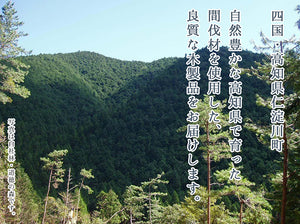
(12, 71)
(53, 163)
(196, 211)
(173, 214)
(86, 174)
(152, 197)
(109, 208)
(134, 203)
(243, 190)
(213, 140)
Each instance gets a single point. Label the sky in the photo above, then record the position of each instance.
(141, 30)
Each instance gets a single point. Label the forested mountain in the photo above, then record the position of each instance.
(100, 140)
(120, 118)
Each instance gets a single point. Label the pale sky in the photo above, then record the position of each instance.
(138, 29)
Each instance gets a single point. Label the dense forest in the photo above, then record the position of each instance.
(110, 134)
(121, 119)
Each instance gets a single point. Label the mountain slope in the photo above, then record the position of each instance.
(120, 118)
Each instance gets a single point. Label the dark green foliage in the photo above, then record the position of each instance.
(120, 119)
